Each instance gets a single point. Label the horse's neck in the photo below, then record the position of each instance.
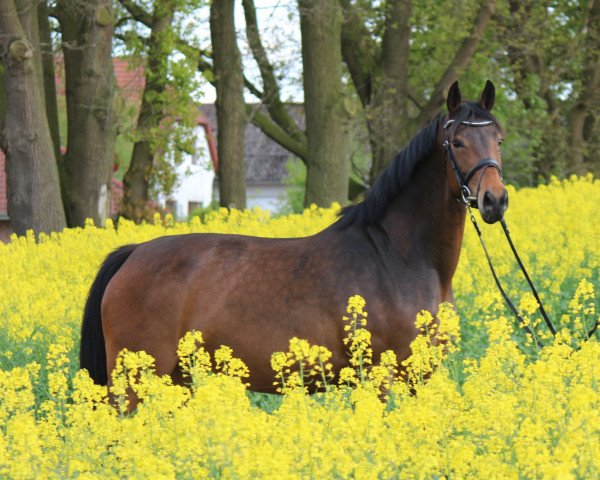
(425, 223)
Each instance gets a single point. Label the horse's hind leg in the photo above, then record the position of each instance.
(140, 313)
(165, 361)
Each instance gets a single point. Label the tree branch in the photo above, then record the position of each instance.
(137, 12)
(142, 16)
(357, 42)
(271, 93)
(459, 62)
(276, 133)
(204, 65)
(414, 97)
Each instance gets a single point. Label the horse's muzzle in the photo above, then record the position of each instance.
(491, 207)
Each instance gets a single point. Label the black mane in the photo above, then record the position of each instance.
(391, 180)
(398, 173)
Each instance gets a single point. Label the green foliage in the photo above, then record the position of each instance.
(548, 35)
(439, 27)
(267, 401)
(174, 86)
(202, 212)
(295, 182)
(104, 16)
(542, 50)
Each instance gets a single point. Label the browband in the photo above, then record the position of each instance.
(484, 123)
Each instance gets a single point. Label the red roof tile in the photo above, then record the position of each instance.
(128, 74)
(130, 78)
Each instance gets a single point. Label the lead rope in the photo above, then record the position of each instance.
(526, 275)
(508, 301)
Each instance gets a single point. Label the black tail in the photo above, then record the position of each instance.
(92, 355)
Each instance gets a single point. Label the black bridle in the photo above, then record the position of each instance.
(463, 180)
(471, 201)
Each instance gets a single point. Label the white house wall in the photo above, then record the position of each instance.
(266, 197)
(195, 181)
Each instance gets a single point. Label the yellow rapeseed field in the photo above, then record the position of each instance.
(489, 405)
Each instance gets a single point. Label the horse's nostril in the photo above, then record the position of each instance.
(493, 207)
(488, 200)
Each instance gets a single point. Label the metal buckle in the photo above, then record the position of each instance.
(465, 194)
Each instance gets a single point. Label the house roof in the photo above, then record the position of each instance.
(265, 159)
(129, 76)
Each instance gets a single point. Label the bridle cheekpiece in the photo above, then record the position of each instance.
(463, 180)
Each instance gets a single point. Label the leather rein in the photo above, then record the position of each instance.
(470, 201)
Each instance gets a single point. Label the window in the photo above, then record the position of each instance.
(193, 206)
(171, 206)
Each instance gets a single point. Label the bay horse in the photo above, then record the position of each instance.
(398, 248)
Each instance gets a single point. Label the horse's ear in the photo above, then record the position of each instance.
(488, 96)
(453, 101)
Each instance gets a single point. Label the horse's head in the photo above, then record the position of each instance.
(472, 145)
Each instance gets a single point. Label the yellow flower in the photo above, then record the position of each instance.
(499, 409)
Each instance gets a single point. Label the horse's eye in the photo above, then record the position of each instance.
(457, 144)
(500, 141)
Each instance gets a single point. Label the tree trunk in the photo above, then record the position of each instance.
(588, 96)
(49, 79)
(87, 47)
(34, 200)
(231, 110)
(137, 179)
(327, 161)
(388, 115)
(2, 102)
